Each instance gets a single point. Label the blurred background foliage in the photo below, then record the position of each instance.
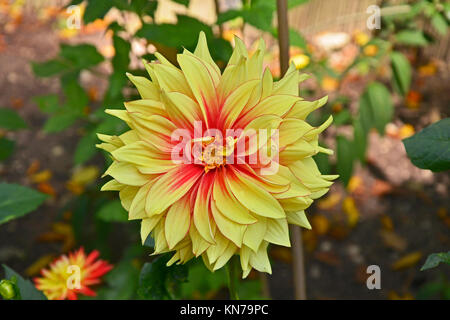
(91, 65)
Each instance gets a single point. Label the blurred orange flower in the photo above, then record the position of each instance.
(370, 50)
(57, 284)
(413, 99)
(329, 83)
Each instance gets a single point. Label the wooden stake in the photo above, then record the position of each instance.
(298, 269)
(283, 35)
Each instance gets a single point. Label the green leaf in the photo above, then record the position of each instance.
(439, 23)
(76, 97)
(359, 140)
(431, 290)
(183, 2)
(411, 38)
(296, 39)
(430, 148)
(121, 282)
(47, 103)
(49, 68)
(121, 59)
(85, 149)
(323, 162)
(6, 148)
(156, 278)
(184, 33)
(342, 117)
(96, 10)
(259, 16)
(435, 259)
(27, 289)
(16, 201)
(228, 15)
(82, 56)
(220, 49)
(295, 3)
(112, 212)
(10, 120)
(113, 96)
(72, 58)
(144, 7)
(402, 72)
(60, 122)
(345, 158)
(375, 107)
(202, 281)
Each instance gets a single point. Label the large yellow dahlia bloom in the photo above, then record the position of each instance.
(217, 164)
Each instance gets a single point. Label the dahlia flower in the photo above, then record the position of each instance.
(71, 275)
(217, 164)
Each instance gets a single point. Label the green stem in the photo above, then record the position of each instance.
(233, 277)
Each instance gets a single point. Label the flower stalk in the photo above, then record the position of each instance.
(233, 277)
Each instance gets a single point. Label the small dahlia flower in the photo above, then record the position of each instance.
(71, 275)
(217, 164)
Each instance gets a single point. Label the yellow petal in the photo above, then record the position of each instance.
(171, 187)
(146, 107)
(146, 88)
(233, 76)
(225, 256)
(231, 230)
(178, 219)
(113, 140)
(172, 79)
(126, 173)
(240, 51)
(127, 195)
(181, 109)
(244, 254)
(267, 84)
(255, 233)
(298, 150)
(255, 63)
(199, 245)
(201, 208)
(236, 101)
(144, 156)
(202, 52)
(299, 219)
(303, 108)
(201, 83)
(291, 130)
(227, 203)
(295, 204)
(155, 130)
(160, 238)
(112, 185)
(129, 137)
(147, 225)
(277, 232)
(216, 250)
(313, 134)
(287, 85)
(137, 208)
(253, 197)
(307, 172)
(121, 114)
(260, 260)
(275, 105)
